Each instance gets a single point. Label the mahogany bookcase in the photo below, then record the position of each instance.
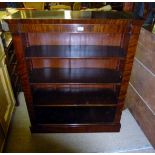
(74, 67)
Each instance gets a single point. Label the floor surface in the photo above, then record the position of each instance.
(129, 139)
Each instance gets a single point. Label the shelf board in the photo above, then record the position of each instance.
(74, 51)
(74, 75)
(74, 97)
(74, 128)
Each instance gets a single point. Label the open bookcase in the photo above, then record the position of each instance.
(75, 67)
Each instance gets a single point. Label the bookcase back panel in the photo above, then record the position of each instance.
(50, 38)
(74, 63)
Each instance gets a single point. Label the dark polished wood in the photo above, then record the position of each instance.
(74, 75)
(75, 128)
(74, 97)
(52, 38)
(112, 86)
(75, 67)
(109, 63)
(74, 115)
(75, 51)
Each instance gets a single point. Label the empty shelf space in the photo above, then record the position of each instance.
(74, 75)
(74, 51)
(74, 115)
(74, 97)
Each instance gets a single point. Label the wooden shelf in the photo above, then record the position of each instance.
(74, 51)
(74, 75)
(74, 115)
(74, 97)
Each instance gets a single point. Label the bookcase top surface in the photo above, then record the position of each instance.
(66, 15)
